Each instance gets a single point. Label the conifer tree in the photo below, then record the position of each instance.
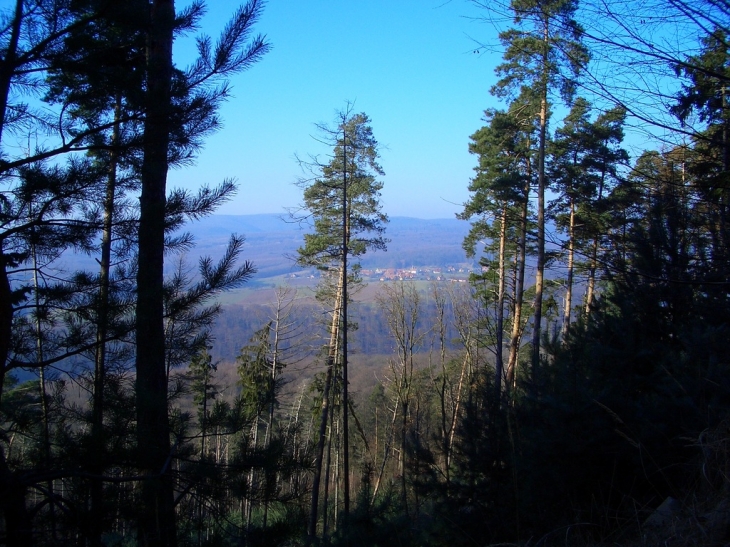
(606, 161)
(569, 176)
(544, 53)
(111, 99)
(499, 206)
(343, 204)
(585, 160)
(156, 524)
(234, 52)
(705, 99)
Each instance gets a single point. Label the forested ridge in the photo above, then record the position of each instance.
(574, 391)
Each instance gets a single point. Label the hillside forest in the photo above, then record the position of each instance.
(574, 390)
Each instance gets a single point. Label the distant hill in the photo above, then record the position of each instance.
(272, 241)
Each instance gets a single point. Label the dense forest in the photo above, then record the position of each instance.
(576, 391)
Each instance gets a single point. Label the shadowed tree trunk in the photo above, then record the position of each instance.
(18, 526)
(97, 425)
(156, 517)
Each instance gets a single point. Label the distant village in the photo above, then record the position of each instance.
(454, 274)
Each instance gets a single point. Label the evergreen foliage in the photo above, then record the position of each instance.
(353, 164)
(123, 431)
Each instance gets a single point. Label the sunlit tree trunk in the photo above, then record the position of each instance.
(346, 214)
(439, 300)
(593, 265)
(386, 450)
(516, 334)
(319, 451)
(327, 474)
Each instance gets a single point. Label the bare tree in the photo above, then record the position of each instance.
(401, 303)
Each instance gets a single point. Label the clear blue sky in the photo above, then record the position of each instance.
(409, 64)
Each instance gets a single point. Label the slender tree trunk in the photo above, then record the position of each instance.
(590, 288)
(296, 479)
(336, 473)
(272, 403)
(499, 364)
(6, 317)
(440, 303)
(540, 267)
(403, 431)
(312, 527)
(345, 398)
(375, 451)
(97, 423)
(516, 335)
(45, 411)
(726, 168)
(156, 515)
(569, 280)
(386, 450)
(251, 482)
(328, 470)
(203, 451)
(41, 370)
(457, 406)
(7, 65)
(319, 454)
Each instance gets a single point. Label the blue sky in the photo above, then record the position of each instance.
(409, 64)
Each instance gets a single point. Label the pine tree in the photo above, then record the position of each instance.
(500, 206)
(544, 53)
(233, 52)
(342, 201)
(108, 98)
(571, 179)
(27, 42)
(607, 161)
(704, 98)
(157, 515)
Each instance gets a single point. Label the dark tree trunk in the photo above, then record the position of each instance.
(97, 426)
(569, 280)
(8, 64)
(499, 362)
(18, 526)
(540, 266)
(156, 519)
